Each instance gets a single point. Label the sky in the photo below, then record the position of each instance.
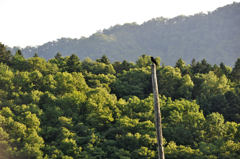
(35, 22)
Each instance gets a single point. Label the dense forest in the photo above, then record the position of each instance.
(214, 36)
(65, 108)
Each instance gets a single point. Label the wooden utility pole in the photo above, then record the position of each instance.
(158, 123)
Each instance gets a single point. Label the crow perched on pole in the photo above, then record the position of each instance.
(154, 61)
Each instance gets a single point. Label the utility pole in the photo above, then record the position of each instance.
(158, 123)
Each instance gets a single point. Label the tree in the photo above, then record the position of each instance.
(214, 127)
(60, 62)
(200, 67)
(18, 62)
(117, 66)
(185, 87)
(135, 82)
(40, 64)
(127, 65)
(22, 132)
(182, 121)
(102, 68)
(35, 55)
(184, 69)
(144, 61)
(104, 59)
(210, 84)
(231, 110)
(172, 84)
(206, 66)
(180, 63)
(217, 70)
(5, 55)
(73, 64)
(236, 71)
(100, 80)
(197, 68)
(87, 64)
(193, 64)
(19, 52)
(224, 69)
(58, 55)
(172, 151)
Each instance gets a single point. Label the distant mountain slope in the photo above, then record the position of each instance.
(214, 36)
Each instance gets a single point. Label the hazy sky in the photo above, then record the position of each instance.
(35, 22)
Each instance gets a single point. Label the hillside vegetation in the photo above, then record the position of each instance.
(214, 36)
(66, 108)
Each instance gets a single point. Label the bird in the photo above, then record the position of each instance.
(154, 61)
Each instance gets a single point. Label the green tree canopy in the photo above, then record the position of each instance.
(5, 55)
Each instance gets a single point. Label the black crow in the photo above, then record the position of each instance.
(154, 61)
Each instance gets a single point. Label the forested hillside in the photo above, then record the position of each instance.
(66, 108)
(214, 36)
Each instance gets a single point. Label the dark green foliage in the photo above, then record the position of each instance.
(180, 64)
(73, 64)
(200, 67)
(135, 82)
(144, 61)
(60, 62)
(104, 59)
(97, 67)
(232, 108)
(58, 55)
(35, 55)
(5, 55)
(172, 84)
(224, 69)
(19, 52)
(119, 67)
(67, 108)
(236, 71)
(18, 62)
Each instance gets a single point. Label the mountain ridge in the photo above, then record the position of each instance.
(213, 36)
